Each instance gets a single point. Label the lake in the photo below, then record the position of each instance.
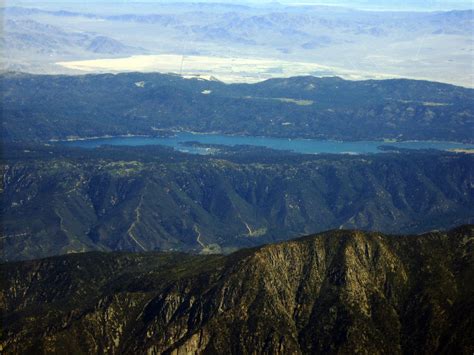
(308, 146)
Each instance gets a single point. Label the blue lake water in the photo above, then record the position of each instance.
(308, 146)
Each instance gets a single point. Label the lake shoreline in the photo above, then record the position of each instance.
(298, 145)
(217, 133)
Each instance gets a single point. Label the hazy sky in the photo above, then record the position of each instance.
(390, 4)
(393, 4)
(377, 5)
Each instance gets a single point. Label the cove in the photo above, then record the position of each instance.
(307, 146)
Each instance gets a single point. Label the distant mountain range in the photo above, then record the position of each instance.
(425, 45)
(336, 292)
(420, 5)
(44, 39)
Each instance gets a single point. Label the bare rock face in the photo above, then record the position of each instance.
(336, 292)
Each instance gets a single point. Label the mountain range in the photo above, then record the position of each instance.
(366, 43)
(62, 107)
(113, 249)
(58, 200)
(39, 39)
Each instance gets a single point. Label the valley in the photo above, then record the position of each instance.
(249, 188)
(225, 69)
(239, 42)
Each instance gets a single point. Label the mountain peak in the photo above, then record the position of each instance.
(337, 291)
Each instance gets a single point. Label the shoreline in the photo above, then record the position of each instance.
(107, 136)
(217, 133)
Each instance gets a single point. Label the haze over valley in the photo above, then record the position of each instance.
(238, 42)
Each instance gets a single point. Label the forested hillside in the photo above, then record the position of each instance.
(40, 108)
(58, 200)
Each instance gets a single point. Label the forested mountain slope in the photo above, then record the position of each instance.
(41, 108)
(337, 292)
(59, 200)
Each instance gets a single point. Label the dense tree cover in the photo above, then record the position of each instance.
(57, 107)
(59, 200)
(339, 291)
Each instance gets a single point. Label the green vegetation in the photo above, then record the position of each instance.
(337, 292)
(41, 108)
(58, 200)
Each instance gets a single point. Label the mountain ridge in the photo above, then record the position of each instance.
(332, 292)
(58, 200)
(61, 107)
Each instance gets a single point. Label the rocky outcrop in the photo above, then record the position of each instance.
(336, 292)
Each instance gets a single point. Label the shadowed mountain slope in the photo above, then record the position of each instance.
(336, 292)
